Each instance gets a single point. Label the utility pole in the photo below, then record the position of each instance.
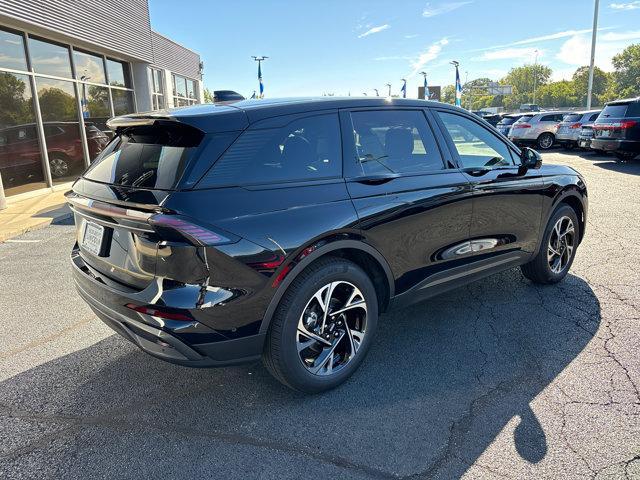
(535, 76)
(260, 84)
(593, 53)
(389, 85)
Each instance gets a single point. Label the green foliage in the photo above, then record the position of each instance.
(57, 105)
(208, 95)
(448, 94)
(581, 85)
(16, 103)
(627, 72)
(523, 79)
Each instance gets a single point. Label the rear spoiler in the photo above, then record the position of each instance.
(125, 121)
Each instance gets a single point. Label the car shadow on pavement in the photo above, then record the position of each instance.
(631, 167)
(441, 381)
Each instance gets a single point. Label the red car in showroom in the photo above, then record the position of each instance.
(20, 149)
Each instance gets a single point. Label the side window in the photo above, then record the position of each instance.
(476, 146)
(593, 117)
(305, 149)
(396, 141)
(549, 118)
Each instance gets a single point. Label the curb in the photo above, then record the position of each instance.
(8, 235)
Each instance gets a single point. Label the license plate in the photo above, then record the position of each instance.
(605, 133)
(583, 143)
(92, 238)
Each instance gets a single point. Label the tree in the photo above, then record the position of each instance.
(57, 105)
(580, 81)
(208, 95)
(558, 94)
(523, 79)
(16, 107)
(627, 71)
(448, 94)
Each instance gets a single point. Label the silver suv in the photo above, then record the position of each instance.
(569, 129)
(538, 128)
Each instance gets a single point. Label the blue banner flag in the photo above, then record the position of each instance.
(426, 89)
(458, 88)
(403, 90)
(260, 81)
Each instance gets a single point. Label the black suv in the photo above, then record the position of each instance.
(212, 235)
(617, 129)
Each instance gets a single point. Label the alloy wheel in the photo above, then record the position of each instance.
(331, 328)
(546, 141)
(59, 167)
(561, 244)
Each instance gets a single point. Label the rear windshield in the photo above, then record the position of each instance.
(614, 111)
(508, 121)
(153, 157)
(525, 118)
(572, 117)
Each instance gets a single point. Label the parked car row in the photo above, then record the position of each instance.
(615, 129)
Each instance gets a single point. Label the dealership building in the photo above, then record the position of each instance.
(66, 66)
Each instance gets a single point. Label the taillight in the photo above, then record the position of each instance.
(156, 312)
(521, 125)
(618, 125)
(576, 125)
(167, 225)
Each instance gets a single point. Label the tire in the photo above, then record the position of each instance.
(301, 370)
(539, 269)
(624, 156)
(59, 165)
(546, 141)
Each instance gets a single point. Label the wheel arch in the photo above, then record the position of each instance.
(362, 254)
(571, 196)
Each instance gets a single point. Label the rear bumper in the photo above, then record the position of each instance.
(615, 145)
(191, 344)
(567, 137)
(584, 142)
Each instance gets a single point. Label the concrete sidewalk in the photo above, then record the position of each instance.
(31, 214)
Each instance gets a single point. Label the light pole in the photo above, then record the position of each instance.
(260, 60)
(535, 76)
(426, 88)
(593, 53)
(458, 99)
(389, 86)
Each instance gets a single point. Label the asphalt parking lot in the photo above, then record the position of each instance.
(502, 379)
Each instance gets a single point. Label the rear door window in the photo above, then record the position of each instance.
(593, 117)
(572, 117)
(548, 118)
(153, 157)
(394, 141)
(477, 146)
(614, 111)
(305, 149)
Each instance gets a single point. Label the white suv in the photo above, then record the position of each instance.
(538, 128)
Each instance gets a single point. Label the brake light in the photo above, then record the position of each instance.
(196, 234)
(521, 125)
(618, 125)
(576, 125)
(155, 312)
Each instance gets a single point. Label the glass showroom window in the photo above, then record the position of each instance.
(66, 81)
(184, 91)
(157, 85)
(20, 158)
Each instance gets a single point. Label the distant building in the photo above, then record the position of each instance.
(65, 68)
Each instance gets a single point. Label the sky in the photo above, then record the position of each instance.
(355, 46)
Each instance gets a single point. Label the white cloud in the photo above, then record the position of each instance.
(626, 6)
(414, 35)
(373, 30)
(392, 57)
(526, 53)
(430, 11)
(577, 50)
(616, 37)
(431, 53)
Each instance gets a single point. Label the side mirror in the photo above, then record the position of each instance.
(530, 158)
